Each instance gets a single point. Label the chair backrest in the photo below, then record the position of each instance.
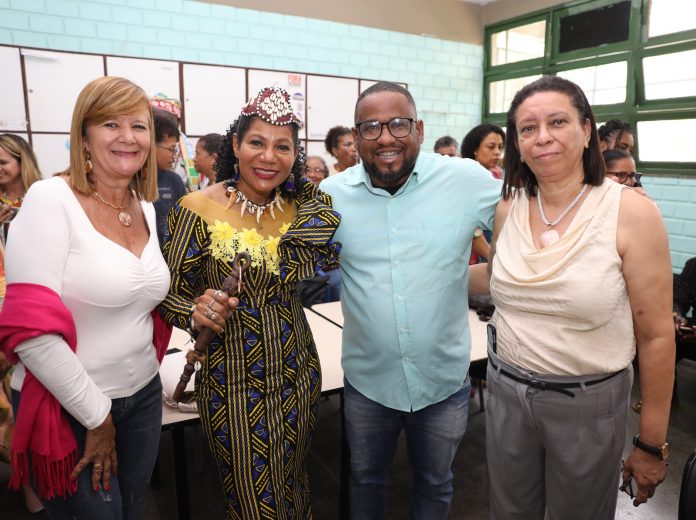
(687, 495)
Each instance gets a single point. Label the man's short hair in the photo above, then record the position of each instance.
(166, 125)
(383, 86)
(445, 142)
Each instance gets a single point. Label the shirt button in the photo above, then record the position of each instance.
(396, 263)
(402, 329)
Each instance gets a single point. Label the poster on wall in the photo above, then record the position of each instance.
(293, 82)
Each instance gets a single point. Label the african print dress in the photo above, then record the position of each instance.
(258, 390)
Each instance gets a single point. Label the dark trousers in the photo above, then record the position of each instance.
(138, 422)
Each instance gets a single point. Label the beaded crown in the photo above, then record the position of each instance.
(171, 105)
(272, 104)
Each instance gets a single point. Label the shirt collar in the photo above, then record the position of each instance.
(356, 175)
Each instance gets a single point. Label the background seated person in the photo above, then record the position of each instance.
(446, 145)
(169, 185)
(207, 150)
(684, 301)
(315, 169)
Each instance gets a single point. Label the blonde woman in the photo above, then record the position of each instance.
(89, 412)
(18, 171)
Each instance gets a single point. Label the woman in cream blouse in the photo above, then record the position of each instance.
(581, 280)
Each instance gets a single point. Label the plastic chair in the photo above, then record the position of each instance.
(687, 495)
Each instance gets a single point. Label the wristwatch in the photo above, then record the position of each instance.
(661, 452)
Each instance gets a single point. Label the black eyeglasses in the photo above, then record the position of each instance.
(398, 127)
(174, 150)
(622, 176)
(318, 170)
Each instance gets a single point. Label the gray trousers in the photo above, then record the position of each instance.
(552, 453)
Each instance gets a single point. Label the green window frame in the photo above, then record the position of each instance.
(638, 46)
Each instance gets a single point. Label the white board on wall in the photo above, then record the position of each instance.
(153, 76)
(213, 97)
(52, 151)
(317, 148)
(293, 82)
(12, 113)
(331, 103)
(54, 80)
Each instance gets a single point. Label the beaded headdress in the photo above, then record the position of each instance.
(171, 105)
(272, 104)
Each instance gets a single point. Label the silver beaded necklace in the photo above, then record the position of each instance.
(550, 236)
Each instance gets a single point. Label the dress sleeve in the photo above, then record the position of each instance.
(184, 253)
(307, 245)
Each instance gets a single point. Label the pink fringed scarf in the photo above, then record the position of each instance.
(42, 430)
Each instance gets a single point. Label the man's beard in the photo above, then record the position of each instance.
(391, 178)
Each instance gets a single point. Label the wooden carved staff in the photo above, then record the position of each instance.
(231, 285)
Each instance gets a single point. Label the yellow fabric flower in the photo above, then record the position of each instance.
(226, 242)
(272, 246)
(250, 238)
(221, 231)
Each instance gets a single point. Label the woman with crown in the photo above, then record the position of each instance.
(258, 388)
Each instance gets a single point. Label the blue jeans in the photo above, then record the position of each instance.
(433, 435)
(138, 422)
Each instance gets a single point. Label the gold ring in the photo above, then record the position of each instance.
(97, 466)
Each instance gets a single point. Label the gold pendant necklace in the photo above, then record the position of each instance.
(123, 216)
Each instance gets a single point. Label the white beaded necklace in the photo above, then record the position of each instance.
(551, 236)
(252, 207)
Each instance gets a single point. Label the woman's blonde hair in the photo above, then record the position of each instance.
(20, 150)
(100, 100)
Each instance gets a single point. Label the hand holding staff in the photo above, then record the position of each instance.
(232, 285)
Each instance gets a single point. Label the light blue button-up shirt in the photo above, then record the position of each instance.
(404, 263)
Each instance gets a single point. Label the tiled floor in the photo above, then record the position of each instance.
(471, 486)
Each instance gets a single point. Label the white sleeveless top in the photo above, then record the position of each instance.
(564, 309)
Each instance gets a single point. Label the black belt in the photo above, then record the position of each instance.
(561, 388)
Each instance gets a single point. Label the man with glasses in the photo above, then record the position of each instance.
(408, 219)
(170, 186)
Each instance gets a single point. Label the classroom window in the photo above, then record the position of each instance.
(667, 140)
(502, 92)
(670, 16)
(634, 59)
(604, 25)
(519, 43)
(670, 75)
(602, 84)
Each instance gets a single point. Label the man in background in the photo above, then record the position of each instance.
(446, 145)
(170, 186)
